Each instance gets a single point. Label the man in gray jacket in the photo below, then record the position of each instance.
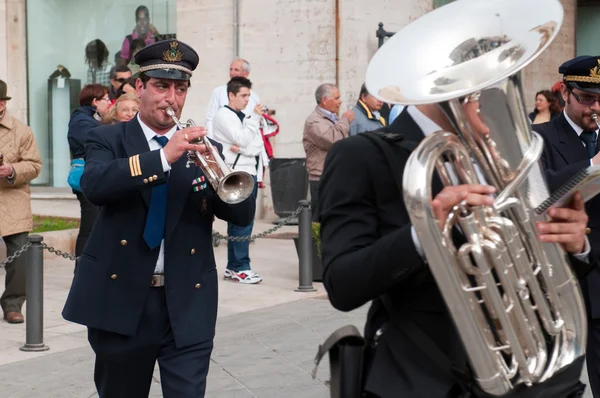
(366, 111)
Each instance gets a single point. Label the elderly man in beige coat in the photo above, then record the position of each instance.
(20, 164)
(321, 129)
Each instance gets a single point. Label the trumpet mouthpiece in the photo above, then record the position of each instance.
(170, 111)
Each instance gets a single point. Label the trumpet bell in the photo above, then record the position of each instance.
(236, 187)
(451, 52)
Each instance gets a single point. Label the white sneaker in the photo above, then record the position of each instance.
(248, 276)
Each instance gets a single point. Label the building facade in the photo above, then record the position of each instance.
(292, 46)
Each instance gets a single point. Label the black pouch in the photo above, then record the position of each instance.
(346, 348)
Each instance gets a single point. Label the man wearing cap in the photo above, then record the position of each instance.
(570, 146)
(19, 164)
(146, 283)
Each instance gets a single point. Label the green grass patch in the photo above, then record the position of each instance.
(46, 224)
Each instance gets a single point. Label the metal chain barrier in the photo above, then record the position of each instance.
(252, 238)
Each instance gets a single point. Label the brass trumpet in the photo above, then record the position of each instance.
(231, 186)
(596, 119)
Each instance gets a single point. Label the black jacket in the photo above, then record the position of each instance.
(564, 155)
(114, 272)
(81, 122)
(369, 253)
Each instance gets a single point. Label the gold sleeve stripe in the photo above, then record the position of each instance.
(131, 166)
(138, 167)
(134, 166)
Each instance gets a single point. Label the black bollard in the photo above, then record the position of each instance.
(305, 248)
(34, 323)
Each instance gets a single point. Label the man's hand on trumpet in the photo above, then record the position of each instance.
(180, 143)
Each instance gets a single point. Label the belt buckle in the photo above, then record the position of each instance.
(157, 280)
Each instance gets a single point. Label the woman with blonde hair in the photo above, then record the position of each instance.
(126, 107)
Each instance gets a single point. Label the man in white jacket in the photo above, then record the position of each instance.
(219, 98)
(242, 144)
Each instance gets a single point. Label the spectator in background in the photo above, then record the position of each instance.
(118, 76)
(126, 107)
(219, 98)
(93, 105)
(366, 113)
(395, 112)
(143, 30)
(96, 56)
(20, 164)
(136, 45)
(321, 129)
(546, 107)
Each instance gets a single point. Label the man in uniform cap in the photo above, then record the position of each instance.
(570, 146)
(146, 283)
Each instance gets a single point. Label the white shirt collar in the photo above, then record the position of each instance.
(150, 134)
(426, 125)
(574, 126)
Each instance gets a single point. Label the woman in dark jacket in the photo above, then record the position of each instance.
(94, 103)
(546, 107)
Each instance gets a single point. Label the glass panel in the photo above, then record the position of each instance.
(58, 32)
(439, 3)
(588, 30)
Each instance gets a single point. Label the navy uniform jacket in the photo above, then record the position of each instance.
(115, 270)
(564, 155)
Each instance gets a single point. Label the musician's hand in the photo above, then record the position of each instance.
(450, 196)
(6, 170)
(234, 148)
(567, 226)
(180, 143)
(259, 109)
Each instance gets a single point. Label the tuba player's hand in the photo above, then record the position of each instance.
(450, 196)
(567, 226)
(180, 143)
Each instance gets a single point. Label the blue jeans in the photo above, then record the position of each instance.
(238, 253)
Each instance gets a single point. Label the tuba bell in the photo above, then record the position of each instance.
(231, 186)
(514, 300)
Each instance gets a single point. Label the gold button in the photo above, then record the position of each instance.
(155, 177)
(197, 286)
(150, 179)
(145, 181)
(123, 242)
(588, 230)
(193, 251)
(113, 276)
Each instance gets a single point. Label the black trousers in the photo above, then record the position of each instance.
(314, 199)
(125, 364)
(593, 355)
(89, 213)
(15, 282)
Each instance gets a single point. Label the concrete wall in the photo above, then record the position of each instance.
(13, 53)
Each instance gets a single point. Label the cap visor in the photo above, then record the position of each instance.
(167, 74)
(590, 88)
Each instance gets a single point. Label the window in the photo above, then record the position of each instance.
(58, 33)
(439, 3)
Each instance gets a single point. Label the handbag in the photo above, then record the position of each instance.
(346, 348)
(75, 173)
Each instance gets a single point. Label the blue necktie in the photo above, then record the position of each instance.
(589, 138)
(154, 231)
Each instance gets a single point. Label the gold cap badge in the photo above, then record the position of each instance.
(172, 54)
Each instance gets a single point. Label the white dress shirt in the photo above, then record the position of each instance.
(429, 127)
(219, 99)
(155, 146)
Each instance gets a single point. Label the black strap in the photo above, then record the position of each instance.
(348, 333)
(236, 160)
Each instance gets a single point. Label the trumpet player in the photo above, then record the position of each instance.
(571, 144)
(146, 283)
(242, 146)
(372, 254)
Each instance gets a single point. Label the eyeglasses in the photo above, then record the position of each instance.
(585, 100)
(121, 80)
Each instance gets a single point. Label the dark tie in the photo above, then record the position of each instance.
(154, 231)
(589, 138)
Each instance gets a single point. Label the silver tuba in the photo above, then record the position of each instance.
(514, 300)
(231, 186)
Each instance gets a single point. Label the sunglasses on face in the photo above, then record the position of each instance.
(585, 100)
(121, 79)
